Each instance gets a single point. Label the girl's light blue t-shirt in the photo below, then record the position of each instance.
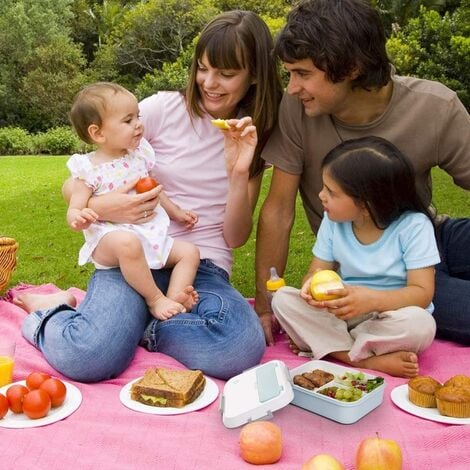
(408, 243)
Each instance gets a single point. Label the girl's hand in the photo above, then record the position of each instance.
(354, 301)
(240, 143)
(305, 291)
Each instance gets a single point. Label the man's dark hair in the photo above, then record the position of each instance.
(340, 37)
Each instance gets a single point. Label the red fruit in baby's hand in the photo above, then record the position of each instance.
(145, 184)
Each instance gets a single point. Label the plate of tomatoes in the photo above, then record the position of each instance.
(37, 401)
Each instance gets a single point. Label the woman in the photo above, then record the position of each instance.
(232, 75)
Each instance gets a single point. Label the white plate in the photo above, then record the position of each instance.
(399, 396)
(73, 399)
(208, 395)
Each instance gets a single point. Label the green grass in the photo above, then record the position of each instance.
(32, 211)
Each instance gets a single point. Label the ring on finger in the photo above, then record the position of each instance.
(145, 214)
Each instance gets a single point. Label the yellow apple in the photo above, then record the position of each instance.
(324, 281)
(220, 123)
(322, 462)
(375, 453)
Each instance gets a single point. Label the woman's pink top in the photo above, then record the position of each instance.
(191, 168)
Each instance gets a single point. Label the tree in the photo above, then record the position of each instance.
(152, 33)
(436, 47)
(28, 29)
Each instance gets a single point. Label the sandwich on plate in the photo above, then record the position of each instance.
(168, 387)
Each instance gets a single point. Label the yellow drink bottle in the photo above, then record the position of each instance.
(273, 283)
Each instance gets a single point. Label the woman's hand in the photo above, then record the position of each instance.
(240, 144)
(120, 207)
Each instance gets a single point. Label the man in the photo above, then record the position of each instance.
(342, 86)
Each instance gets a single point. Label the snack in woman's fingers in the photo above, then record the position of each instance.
(221, 124)
(168, 387)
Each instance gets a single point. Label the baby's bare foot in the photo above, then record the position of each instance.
(187, 297)
(32, 302)
(398, 364)
(162, 307)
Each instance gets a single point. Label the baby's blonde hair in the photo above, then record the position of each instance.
(89, 106)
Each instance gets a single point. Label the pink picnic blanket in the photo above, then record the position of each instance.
(105, 434)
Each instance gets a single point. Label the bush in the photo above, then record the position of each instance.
(435, 47)
(58, 141)
(15, 141)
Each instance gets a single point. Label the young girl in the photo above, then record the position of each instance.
(107, 115)
(378, 235)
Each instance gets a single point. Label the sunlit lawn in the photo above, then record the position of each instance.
(33, 212)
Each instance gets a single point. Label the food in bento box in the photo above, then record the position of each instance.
(422, 391)
(168, 387)
(314, 379)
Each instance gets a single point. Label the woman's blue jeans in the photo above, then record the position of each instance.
(222, 336)
(452, 295)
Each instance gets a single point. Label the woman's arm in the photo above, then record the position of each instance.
(118, 206)
(240, 144)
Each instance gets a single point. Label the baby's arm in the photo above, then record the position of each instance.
(79, 216)
(184, 217)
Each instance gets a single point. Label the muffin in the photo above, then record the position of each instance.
(458, 381)
(421, 391)
(454, 401)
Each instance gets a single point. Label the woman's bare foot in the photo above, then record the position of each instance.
(32, 302)
(163, 308)
(187, 297)
(398, 363)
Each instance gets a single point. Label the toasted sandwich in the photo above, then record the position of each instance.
(168, 387)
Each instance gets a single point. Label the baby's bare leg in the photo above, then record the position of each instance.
(184, 257)
(124, 249)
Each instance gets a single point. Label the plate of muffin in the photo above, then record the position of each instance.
(426, 397)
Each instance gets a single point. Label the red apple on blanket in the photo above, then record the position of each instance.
(323, 462)
(375, 453)
(261, 442)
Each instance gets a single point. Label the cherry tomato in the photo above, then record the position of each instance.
(15, 395)
(56, 390)
(145, 184)
(36, 404)
(35, 379)
(3, 406)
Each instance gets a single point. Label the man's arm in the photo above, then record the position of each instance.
(275, 223)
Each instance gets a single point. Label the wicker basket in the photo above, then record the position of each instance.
(8, 247)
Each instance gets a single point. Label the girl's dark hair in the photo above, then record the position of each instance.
(375, 173)
(241, 40)
(340, 37)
